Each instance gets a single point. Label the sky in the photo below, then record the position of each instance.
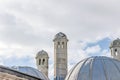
(29, 26)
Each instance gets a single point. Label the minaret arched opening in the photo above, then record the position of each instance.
(43, 62)
(62, 45)
(39, 61)
(58, 45)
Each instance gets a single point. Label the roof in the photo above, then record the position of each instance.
(115, 43)
(16, 72)
(60, 35)
(30, 71)
(95, 68)
(42, 53)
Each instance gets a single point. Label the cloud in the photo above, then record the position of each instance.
(51, 71)
(33, 19)
(1, 62)
(28, 26)
(93, 49)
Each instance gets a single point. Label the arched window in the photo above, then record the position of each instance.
(115, 50)
(116, 53)
(43, 62)
(39, 61)
(58, 45)
(62, 44)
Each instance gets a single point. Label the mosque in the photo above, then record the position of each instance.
(92, 68)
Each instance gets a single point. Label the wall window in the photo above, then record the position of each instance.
(39, 61)
(115, 50)
(58, 45)
(116, 53)
(62, 44)
(43, 62)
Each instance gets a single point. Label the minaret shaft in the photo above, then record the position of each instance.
(60, 56)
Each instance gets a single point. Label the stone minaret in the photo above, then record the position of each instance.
(60, 56)
(42, 62)
(115, 49)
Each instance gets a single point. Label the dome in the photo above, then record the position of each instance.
(31, 71)
(115, 43)
(42, 53)
(96, 68)
(60, 35)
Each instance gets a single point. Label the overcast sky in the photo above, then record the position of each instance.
(28, 26)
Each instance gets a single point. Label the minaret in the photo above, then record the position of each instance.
(115, 49)
(60, 56)
(42, 62)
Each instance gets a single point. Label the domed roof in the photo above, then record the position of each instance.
(115, 43)
(60, 35)
(31, 71)
(42, 53)
(95, 68)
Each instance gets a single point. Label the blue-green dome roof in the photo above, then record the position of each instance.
(96, 68)
(31, 71)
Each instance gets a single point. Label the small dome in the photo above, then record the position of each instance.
(31, 71)
(60, 35)
(115, 43)
(96, 68)
(42, 53)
